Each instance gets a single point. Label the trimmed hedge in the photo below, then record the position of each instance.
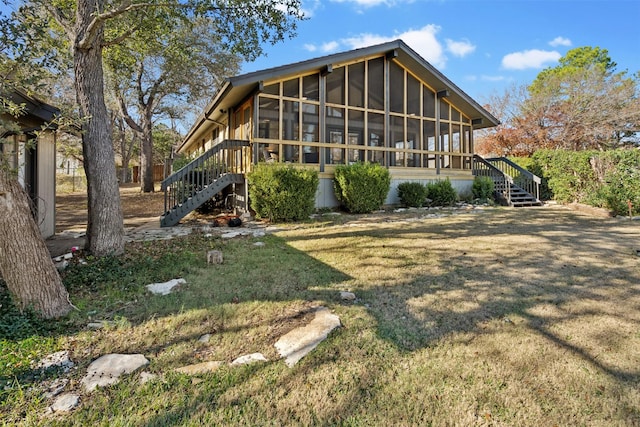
(605, 179)
(412, 194)
(281, 192)
(362, 187)
(442, 193)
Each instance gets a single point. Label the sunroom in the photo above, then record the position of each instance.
(382, 104)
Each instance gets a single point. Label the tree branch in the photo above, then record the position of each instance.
(125, 114)
(60, 18)
(121, 37)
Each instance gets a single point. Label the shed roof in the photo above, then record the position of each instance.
(235, 89)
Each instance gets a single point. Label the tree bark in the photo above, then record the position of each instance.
(105, 227)
(25, 262)
(146, 156)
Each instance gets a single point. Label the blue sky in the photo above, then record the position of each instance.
(482, 46)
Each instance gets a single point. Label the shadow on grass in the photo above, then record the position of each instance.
(420, 280)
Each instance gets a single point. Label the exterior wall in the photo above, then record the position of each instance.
(326, 198)
(46, 185)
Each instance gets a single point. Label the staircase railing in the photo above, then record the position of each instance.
(501, 181)
(225, 158)
(521, 177)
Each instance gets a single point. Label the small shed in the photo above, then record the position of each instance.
(32, 152)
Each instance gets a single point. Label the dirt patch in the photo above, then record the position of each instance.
(138, 208)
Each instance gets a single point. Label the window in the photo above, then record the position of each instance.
(444, 110)
(269, 118)
(273, 89)
(291, 88)
(429, 103)
(413, 142)
(310, 122)
(413, 95)
(375, 134)
(396, 88)
(335, 86)
(356, 85)
(376, 84)
(291, 120)
(311, 87)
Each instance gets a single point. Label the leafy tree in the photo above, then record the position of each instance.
(582, 103)
(86, 28)
(152, 72)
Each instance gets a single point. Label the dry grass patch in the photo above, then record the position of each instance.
(498, 317)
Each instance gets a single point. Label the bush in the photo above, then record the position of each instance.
(281, 192)
(441, 193)
(412, 194)
(482, 188)
(607, 179)
(362, 187)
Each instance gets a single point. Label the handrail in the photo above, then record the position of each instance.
(501, 180)
(200, 173)
(519, 168)
(181, 173)
(521, 177)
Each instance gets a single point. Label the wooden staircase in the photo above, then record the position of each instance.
(221, 166)
(514, 185)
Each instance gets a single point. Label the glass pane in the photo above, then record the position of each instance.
(455, 115)
(291, 121)
(310, 155)
(455, 139)
(355, 135)
(311, 87)
(356, 85)
(335, 135)
(335, 121)
(444, 137)
(413, 142)
(376, 84)
(269, 118)
(291, 88)
(292, 153)
(375, 133)
(396, 87)
(268, 153)
(444, 110)
(429, 135)
(310, 123)
(335, 86)
(273, 89)
(413, 95)
(466, 135)
(397, 140)
(429, 103)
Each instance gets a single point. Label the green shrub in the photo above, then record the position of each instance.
(607, 179)
(482, 188)
(362, 187)
(281, 192)
(441, 193)
(412, 194)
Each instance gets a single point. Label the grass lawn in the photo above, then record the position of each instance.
(495, 317)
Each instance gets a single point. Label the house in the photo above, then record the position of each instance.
(32, 152)
(381, 103)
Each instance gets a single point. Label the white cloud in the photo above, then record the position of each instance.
(330, 46)
(423, 41)
(560, 41)
(492, 78)
(310, 47)
(533, 58)
(460, 48)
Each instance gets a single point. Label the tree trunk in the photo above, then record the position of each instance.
(105, 228)
(146, 156)
(25, 262)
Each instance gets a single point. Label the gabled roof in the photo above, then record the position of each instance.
(37, 112)
(235, 89)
